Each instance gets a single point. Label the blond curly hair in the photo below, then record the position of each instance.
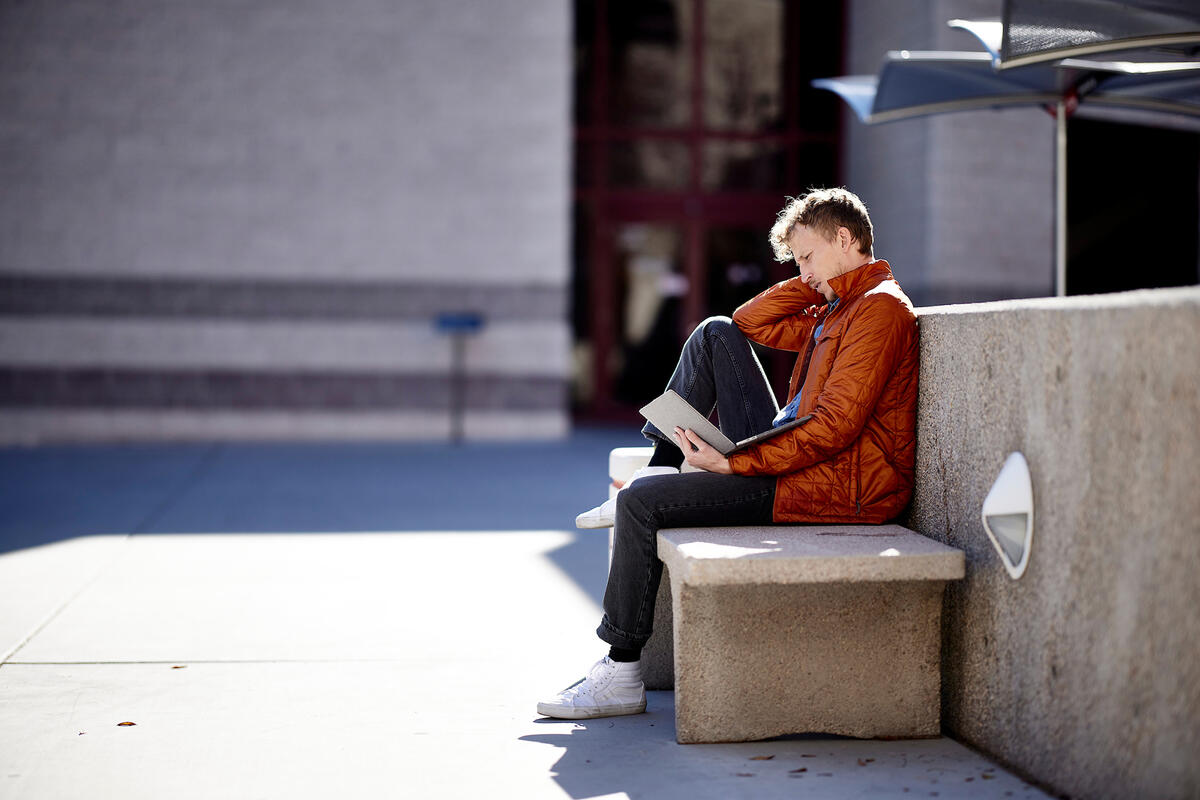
(824, 210)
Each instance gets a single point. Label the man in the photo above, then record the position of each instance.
(852, 462)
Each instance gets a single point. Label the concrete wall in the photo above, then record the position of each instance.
(963, 204)
(238, 218)
(1083, 674)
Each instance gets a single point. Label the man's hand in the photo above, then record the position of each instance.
(700, 454)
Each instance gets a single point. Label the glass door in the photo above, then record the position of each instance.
(694, 121)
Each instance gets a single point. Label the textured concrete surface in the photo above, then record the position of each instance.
(295, 621)
(1083, 672)
(783, 554)
(832, 629)
(658, 656)
(754, 662)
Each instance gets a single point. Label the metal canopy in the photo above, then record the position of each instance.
(915, 83)
(1048, 53)
(1036, 31)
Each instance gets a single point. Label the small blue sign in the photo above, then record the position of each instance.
(458, 322)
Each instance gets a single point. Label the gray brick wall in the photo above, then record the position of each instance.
(315, 138)
(165, 160)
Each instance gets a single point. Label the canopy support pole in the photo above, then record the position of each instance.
(1060, 200)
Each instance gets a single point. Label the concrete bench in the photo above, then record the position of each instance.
(766, 631)
(806, 629)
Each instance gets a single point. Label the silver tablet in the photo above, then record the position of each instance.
(669, 411)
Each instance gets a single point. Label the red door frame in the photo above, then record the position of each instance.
(693, 209)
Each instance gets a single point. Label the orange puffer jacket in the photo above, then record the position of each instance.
(853, 461)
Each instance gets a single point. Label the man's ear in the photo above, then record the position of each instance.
(844, 239)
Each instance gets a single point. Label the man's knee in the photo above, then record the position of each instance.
(637, 502)
(631, 501)
(719, 326)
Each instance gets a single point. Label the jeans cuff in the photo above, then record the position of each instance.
(619, 638)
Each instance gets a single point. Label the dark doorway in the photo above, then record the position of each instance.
(694, 120)
(1133, 207)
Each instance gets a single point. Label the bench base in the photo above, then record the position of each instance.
(658, 656)
(757, 661)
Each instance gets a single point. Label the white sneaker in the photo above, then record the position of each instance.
(603, 515)
(611, 688)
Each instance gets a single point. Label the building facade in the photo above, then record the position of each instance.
(244, 219)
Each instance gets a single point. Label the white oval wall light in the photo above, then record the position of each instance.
(1008, 514)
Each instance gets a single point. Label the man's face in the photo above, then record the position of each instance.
(817, 258)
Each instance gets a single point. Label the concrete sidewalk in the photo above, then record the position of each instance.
(362, 621)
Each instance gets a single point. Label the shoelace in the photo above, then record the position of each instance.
(586, 685)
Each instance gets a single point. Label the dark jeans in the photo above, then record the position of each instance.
(717, 370)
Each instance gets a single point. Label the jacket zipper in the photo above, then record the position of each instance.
(857, 477)
(808, 352)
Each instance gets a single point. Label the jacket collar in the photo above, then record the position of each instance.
(861, 280)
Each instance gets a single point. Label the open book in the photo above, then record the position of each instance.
(669, 411)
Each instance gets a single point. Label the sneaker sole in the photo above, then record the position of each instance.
(561, 712)
(593, 522)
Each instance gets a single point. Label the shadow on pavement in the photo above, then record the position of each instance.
(637, 757)
(53, 493)
(609, 756)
